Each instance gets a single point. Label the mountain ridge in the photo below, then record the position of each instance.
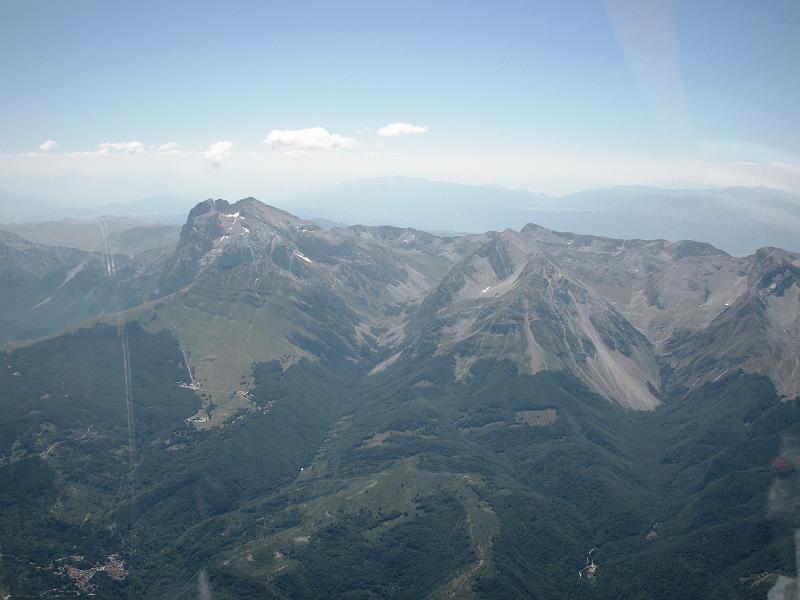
(736, 219)
(602, 308)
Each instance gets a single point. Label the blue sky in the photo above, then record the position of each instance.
(554, 96)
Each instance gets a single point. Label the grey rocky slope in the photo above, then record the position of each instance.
(758, 331)
(614, 312)
(248, 283)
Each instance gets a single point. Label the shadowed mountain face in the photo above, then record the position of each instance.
(287, 411)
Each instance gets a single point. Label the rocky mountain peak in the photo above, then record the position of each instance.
(775, 271)
(229, 234)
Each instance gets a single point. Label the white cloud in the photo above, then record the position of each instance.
(218, 151)
(124, 147)
(312, 138)
(168, 147)
(48, 145)
(396, 129)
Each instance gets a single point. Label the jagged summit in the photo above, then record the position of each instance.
(226, 234)
(225, 217)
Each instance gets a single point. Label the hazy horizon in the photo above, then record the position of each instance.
(112, 103)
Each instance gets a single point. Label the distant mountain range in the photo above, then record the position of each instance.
(286, 410)
(737, 220)
(123, 235)
(160, 208)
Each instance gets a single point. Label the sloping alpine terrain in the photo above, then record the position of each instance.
(270, 409)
